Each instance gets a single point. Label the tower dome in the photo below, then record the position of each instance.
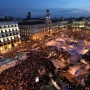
(48, 17)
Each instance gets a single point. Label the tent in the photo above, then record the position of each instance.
(32, 50)
(72, 52)
(75, 58)
(65, 88)
(53, 48)
(59, 39)
(82, 50)
(88, 47)
(6, 60)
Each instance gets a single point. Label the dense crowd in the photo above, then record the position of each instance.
(22, 76)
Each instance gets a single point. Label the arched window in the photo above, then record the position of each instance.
(9, 30)
(16, 32)
(16, 29)
(7, 39)
(10, 34)
(14, 37)
(1, 31)
(3, 40)
(0, 41)
(11, 38)
(13, 33)
(5, 30)
(2, 35)
(6, 35)
(17, 37)
(12, 29)
(4, 26)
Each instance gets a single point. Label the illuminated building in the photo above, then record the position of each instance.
(9, 36)
(33, 30)
(48, 20)
(88, 25)
(63, 24)
(36, 28)
(78, 24)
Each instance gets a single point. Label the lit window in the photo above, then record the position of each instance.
(5, 30)
(1, 31)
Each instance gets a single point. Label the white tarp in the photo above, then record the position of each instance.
(58, 63)
(72, 52)
(82, 50)
(51, 43)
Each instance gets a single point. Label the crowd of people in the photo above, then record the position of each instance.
(23, 75)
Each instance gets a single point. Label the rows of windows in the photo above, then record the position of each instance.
(6, 35)
(2, 31)
(78, 22)
(7, 26)
(8, 39)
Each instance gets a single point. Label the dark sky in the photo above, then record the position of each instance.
(58, 8)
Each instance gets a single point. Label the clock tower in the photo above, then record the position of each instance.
(48, 21)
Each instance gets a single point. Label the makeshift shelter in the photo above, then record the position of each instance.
(74, 59)
(32, 51)
(41, 70)
(72, 52)
(21, 56)
(82, 50)
(53, 48)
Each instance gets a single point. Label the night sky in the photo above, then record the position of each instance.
(58, 8)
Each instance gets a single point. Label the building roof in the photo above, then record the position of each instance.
(54, 21)
(31, 23)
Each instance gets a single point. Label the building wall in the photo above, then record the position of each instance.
(9, 36)
(78, 24)
(88, 25)
(37, 31)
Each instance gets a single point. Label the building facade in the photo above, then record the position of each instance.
(37, 28)
(9, 36)
(88, 25)
(78, 24)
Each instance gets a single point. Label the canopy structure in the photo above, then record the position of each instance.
(88, 47)
(6, 60)
(21, 55)
(82, 50)
(59, 39)
(75, 58)
(58, 63)
(72, 52)
(53, 48)
(52, 43)
(32, 50)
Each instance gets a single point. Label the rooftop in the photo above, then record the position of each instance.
(31, 23)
